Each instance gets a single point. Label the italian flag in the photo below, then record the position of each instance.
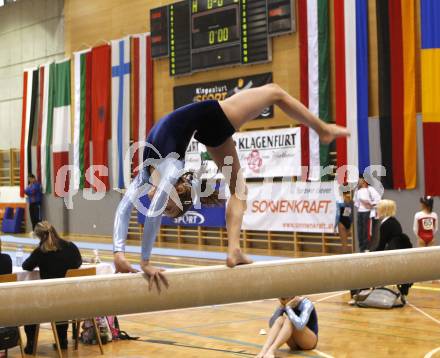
(82, 118)
(314, 42)
(61, 126)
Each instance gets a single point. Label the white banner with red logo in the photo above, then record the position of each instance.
(268, 153)
(288, 206)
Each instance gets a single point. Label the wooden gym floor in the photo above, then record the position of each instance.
(233, 330)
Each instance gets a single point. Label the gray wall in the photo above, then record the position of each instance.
(31, 33)
(86, 218)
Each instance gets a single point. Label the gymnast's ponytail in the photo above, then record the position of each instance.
(185, 186)
(49, 238)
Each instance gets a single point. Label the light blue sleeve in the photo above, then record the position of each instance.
(170, 171)
(278, 313)
(306, 308)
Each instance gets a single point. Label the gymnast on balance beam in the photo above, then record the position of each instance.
(163, 176)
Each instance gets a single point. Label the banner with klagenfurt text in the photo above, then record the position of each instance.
(268, 153)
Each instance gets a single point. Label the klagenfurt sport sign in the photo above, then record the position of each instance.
(288, 206)
(262, 154)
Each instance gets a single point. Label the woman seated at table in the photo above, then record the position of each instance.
(295, 323)
(53, 256)
(5, 262)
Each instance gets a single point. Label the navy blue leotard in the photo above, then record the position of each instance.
(170, 138)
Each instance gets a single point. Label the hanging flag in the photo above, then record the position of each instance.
(40, 118)
(430, 63)
(28, 119)
(397, 102)
(61, 125)
(142, 91)
(121, 68)
(101, 73)
(46, 126)
(82, 118)
(314, 79)
(351, 72)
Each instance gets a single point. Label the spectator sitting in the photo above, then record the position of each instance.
(5, 262)
(295, 323)
(54, 256)
(392, 236)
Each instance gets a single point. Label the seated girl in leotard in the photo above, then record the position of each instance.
(295, 323)
(212, 123)
(426, 222)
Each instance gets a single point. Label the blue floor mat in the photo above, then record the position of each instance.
(208, 255)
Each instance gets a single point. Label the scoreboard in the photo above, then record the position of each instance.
(203, 34)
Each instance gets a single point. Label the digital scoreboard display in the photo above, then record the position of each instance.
(205, 34)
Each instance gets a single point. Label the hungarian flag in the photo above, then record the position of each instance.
(47, 82)
(28, 119)
(351, 70)
(430, 63)
(82, 118)
(142, 92)
(61, 127)
(101, 74)
(313, 18)
(397, 91)
(121, 69)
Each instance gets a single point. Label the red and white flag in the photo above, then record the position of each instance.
(142, 91)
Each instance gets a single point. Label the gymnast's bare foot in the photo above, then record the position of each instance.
(237, 258)
(260, 355)
(331, 132)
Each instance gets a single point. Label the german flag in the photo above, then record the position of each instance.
(396, 38)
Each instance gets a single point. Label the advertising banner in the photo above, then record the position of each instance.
(288, 206)
(206, 216)
(268, 153)
(219, 90)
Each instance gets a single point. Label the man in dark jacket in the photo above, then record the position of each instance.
(34, 195)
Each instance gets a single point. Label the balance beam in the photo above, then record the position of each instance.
(70, 298)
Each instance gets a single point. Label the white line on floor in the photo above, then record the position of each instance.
(331, 296)
(322, 354)
(431, 354)
(424, 313)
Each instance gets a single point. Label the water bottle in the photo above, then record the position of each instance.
(97, 260)
(19, 255)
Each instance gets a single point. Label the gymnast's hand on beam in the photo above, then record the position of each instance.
(155, 276)
(121, 263)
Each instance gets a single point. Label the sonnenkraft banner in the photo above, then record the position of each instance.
(219, 90)
(301, 206)
(262, 154)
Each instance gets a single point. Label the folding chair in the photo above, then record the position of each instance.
(91, 271)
